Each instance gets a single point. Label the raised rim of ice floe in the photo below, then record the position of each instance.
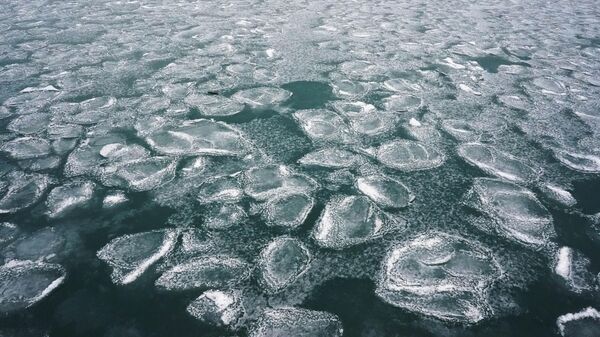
(588, 312)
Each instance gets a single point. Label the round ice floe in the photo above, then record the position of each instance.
(140, 175)
(401, 85)
(583, 162)
(26, 148)
(349, 89)
(585, 323)
(204, 272)
(287, 321)
(216, 307)
(8, 232)
(282, 262)
(331, 158)
(549, 86)
(222, 189)
(44, 244)
(351, 220)
(122, 152)
(496, 162)
(421, 132)
(460, 130)
(323, 125)
(516, 212)
(439, 275)
(559, 194)
(573, 268)
(262, 183)
(262, 97)
(131, 255)
(402, 103)
(214, 105)
(29, 124)
(22, 284)
(406, 155)
(514, 102)
(385, 192)
(23, 191)
(114, 199)
(198, 137)
(288, 210)
(222, 216)
(361, 70)
(68, 197)
(364, 118)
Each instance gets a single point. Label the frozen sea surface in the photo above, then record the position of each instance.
(299, 168)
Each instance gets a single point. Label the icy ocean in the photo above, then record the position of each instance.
(264, 168)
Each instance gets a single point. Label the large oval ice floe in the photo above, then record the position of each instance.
(266, 182)
(516, 213)
(214, 105)
(140, 175)
(131, 255)
(496, 162)
(384, 191)
(23, 284)
(585, 323)
(198, 137)
(573, 269)
(281, 262)
(402, 103)
(288, 321)
(439, 275)
(23, 190)
(364, 118)
(221, 189)
(218, 307)
(46, 244)
(262, 96)
(351, 220)
(407, 155)
(68, 197)
(460, 130)
(26, 148)
(582, 162)
(288, 210)
(323, 125)
(204, 272)
(331, 157)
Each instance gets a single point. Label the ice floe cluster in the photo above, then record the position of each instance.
(237, 156)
